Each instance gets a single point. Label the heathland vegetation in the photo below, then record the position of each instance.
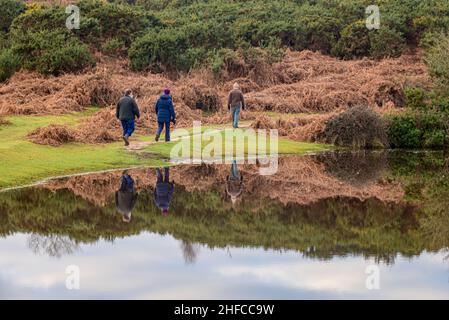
(175, 35)
(309, 68)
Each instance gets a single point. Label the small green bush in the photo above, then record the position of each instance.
(9, 63)
(386, 42)
(415, 98)
(419, 129)
(438, 62)
(9, 10)
(354, 41)
(403, 132)
(71, 57)
(51, 52)
(357, 127)
(114, 47)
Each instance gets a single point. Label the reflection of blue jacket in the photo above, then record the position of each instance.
(164, 109)
(163, 194)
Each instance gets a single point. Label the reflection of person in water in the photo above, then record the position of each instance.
(126, 197)
(163, 192)
(234, 184)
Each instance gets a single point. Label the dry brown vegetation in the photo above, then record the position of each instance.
(304, 82)
(56, 135)
(311, 82)
(301, 180)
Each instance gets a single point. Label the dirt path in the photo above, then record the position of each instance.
(139, 145)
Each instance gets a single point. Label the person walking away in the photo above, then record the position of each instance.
(236, 101)
(163, 192)
(234, 183)
(126, 197)
(165, 114)
(127, 111)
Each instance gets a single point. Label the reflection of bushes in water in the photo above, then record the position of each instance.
(331, 227)
(425, 176)
(356, 168)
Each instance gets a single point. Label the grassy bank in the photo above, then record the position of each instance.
(24, 162)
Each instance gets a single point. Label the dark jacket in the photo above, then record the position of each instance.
(126, 196)
(163, 194)
(127, 109)
(236, 98)
(164, 109)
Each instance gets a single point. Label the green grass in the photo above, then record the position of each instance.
(238, 141)
(24, 162)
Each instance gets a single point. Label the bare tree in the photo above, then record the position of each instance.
(190, 251)
(53, 246)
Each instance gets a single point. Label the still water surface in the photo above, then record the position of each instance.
(311, 231)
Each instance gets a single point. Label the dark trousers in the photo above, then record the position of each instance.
(167, 129)
(128, 127)
(165, 177)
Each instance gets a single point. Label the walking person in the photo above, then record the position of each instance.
(165, 114)
(236, 102)
(127, 111)
(234, 183)
(126, 197)
(163, 192)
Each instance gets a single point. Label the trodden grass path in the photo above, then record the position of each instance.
(23, 162)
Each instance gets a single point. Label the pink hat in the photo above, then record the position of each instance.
(167, 91)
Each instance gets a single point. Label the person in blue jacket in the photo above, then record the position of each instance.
(165, 114)
(163, 192)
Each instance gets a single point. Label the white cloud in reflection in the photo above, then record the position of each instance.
(150, 266)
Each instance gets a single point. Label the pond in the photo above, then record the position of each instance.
(331, 225)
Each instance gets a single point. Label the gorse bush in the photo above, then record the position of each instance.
(415, 98)
(9, 10)
(358, 127)
(180, 35)
(438, 62)
(51, 52)
(425, 124)
(9, 63)
(419, 129)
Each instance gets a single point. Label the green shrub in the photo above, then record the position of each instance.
(39, 18)
(4, 41)
(441, 104)
(403, 132)
(119, 21)
(358, 127)
(71, 57)
(419, 129)
(165, 47)
(114, 47)
(386, 42)
(438, 62)
(51, 52)
(9, 9)
(415, 98)
(9, 63)
(435, 139)
(354, 41)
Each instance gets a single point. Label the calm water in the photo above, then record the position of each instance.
(311, 231)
